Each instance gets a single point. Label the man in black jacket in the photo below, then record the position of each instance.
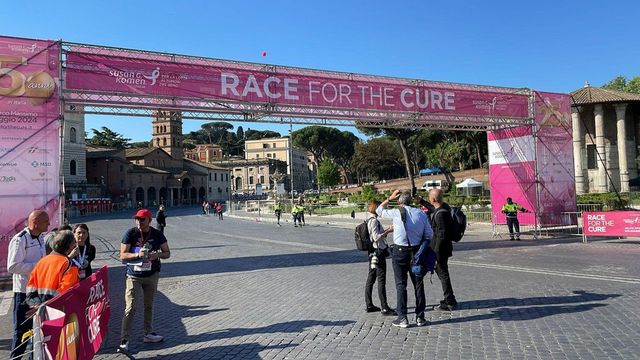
(442, 245)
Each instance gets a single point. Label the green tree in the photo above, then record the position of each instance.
(315, 139)
(108, 138)
(260, 134)
(377, 159)
(240, 133)
(633, 86)
(140, 144)
(621, 83)
(328, 173)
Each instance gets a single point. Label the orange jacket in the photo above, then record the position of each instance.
(52, 275)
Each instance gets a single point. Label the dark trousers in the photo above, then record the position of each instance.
(19, 325)
(442, 269)
(401, 257)
(302, 218)
(278, 213)
(512, 223)
(161, 228)
(379, 273)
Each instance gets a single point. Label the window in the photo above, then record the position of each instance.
(268, 155)
(121, 168)
(274, 144)
(72, 168)
(72, 135)
(257, 156)
(274, 155)
(215, 176)
(592, 158)
(261, 179)
(209, 179)
(227, 177)
(251, 180)
(265, 146)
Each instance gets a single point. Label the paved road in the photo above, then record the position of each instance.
(247, 289)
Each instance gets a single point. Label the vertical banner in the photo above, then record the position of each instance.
(554, 159)
(512, 172)
(29, 134)
(76, 320)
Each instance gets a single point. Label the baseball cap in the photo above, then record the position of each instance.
(143, 214)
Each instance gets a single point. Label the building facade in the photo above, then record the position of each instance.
(606, 134)
(280, 149)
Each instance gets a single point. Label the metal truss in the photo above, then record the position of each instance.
(95, 102)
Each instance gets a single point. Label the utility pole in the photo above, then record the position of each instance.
(291, 160)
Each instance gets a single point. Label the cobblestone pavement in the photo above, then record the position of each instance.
(247, 289)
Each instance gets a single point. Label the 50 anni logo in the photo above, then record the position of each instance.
(37, 86)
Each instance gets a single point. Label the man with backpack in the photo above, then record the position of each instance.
(410, 229)
(442, 244)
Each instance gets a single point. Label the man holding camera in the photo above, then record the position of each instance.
(141, 249)
(410, 228)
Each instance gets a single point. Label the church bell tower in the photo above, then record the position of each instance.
(167, 132)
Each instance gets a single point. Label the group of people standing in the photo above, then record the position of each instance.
(216, 207)
(411, 226)
(44, 264)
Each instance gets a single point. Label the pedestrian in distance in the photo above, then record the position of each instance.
(410, 228)
(295, 214)
(442, 245)
(84, 253)
(219, 211)
(207, 208)
(510, 209)
(26, 248)
(161, 218)
(277, 209)
(141, 249)
(377, 262)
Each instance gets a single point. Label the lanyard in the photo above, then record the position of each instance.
(80, 261)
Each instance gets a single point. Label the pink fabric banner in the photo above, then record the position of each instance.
(611, 223)
(80, 326)
(29, 134)
(554, 157)
(226, 81)
(512, 172)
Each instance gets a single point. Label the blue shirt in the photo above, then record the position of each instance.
(143, 267)
(417, 225)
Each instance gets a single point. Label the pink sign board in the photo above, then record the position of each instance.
(611, 223)
(227, 81)
(29, 134)
(83, 316)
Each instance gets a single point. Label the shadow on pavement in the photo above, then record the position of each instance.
(502, 243)
(247, 351)
(578, 297)
(5, 344)
(520, 314)
(249, 263)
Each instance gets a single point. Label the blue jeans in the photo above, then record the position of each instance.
(19, 325)
(402, 256)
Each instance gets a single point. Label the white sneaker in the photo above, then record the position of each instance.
(153, 338)
(124, 346)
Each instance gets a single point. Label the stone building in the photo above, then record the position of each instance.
(280, 149)
(606, 134)
(207, 153)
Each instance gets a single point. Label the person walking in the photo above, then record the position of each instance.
(161, 218)
(377, 262)
(84, 253)
(219, 211)
(511, 210)
(141, 249)
(26, 248)
(295, 213)
(410, 228)
(277, 209)
(442, 245)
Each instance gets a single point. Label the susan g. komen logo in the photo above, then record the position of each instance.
(154, 76)
(634, 221)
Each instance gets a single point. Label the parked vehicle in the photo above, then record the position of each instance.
(435, 184)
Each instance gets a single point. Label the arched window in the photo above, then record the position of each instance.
(73, 168)
(164, 141)
(73, 137)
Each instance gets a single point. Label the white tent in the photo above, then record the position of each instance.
(470, 187)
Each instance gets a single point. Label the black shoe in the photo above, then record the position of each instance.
(372, 308)
(401, 322)
(517, 239)
(446, 307)
(421, 321)
(388, 312)
(511, 239)
(123, 347)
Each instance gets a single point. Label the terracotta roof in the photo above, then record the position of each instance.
(146, 169)
(204, 164)
(596, 95)
(97, 152)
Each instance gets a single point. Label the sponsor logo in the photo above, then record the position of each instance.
(8, 163)
(135, 78)
(36, 164)
(30, 49)
(7, 179)
(38, 150)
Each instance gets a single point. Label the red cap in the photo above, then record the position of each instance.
(143, 214)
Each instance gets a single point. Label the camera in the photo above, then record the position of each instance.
(374, 261)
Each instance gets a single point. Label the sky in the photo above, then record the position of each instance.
(546, 45)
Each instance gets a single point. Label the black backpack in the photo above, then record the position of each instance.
(363, 240)
(459, 224)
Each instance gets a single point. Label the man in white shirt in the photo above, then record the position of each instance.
(25, 249)
(408, 233)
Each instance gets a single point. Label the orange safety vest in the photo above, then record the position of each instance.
(52, 275)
